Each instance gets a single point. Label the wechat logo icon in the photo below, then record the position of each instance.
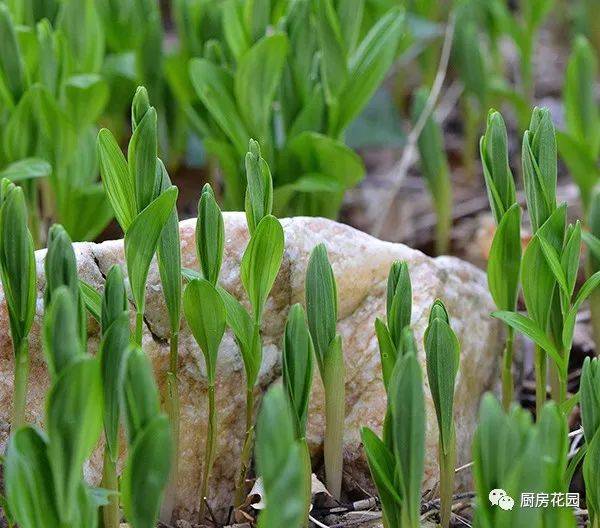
(499, 497)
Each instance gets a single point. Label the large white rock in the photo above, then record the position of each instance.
(361, 265)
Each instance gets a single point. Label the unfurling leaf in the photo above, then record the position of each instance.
(297, 366)
(261, 262)
(205, 313)
(210, 235)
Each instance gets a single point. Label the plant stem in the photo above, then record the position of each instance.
(209, 450)
(240, 488)
(305, 452)
(335, 413)
(447, 463)
(20, 390)
(594, 300)
(507, 375)
(139, 326)
(111, 516)
(555, 383)
(172, 405)
(540, 380)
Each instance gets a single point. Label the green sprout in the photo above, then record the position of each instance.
(205, 313)
(532, 459)
(259, 268)
(150, 445)
(442, 351)
(44, 471)
(18, 278)
(322, 312)
(504, 263)
(113, 351)
(434, 167)
(298, 351)
(280, 463)
(579, 144)
(590, 419)
(397, 463)
(550, 264)
(318, 63)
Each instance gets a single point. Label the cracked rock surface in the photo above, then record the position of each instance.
(361, 265)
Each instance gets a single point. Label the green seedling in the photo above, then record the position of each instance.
(592, 241)
(442, 351)
(579, 144)
(44, 471)
(259, 268)
(280, 464)
(513, 456)
(52, 94)
(524, 28)
(141, 198)
(144, 203)
(397, 464)
(394, 336)
(113, 351)
(318, 64)
(504, 263)
(298, 351)
(550, 264)
(474, 71)
(434, 167)
(322, 312)
(205, 313)
(150, 444)
(590, 418)
(18, 278)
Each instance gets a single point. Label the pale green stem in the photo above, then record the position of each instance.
(305, 452)
(540, 380)
(172, 405)
(139, 327)
(111, 516)
(447, 463)
(555, 382)
(240, 488)
(210, 449)
(21, 356)
(335, 413)
(594, 300)
(507, 374)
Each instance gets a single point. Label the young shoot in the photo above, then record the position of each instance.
(18, 278)
(297, 367)
(322, 311)
(434, 167)
(205, 313)
(280, 463)
(397, 464)
(442, 351)
(113, 350)
(590, 418)
(504, 262)
(259, 269)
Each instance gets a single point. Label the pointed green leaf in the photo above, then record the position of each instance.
(297, 366)
(205, 313)
(146, 473)
(261, 262)
(117, 181)
(28, 480)
(141, 241)
(210, 235)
